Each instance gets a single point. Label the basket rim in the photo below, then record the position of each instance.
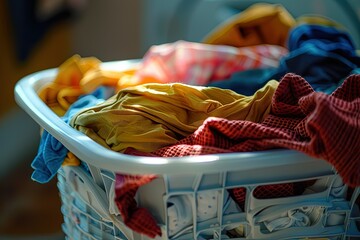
(93, 153)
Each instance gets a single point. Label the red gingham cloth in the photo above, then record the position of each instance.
(320, 125)
(136, 218)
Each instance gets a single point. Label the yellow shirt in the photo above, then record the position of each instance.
(150, 116)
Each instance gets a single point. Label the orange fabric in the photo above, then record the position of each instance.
(71, 160)
(75, 77)
(261, 23)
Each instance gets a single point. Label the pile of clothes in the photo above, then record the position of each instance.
(259, 81)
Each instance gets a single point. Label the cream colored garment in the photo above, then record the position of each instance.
(150, 116)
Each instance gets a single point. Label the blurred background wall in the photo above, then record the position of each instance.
(37, 35)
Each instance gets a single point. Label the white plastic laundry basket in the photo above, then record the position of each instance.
(87, 198)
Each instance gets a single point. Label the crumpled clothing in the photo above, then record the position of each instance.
(180, 213)
(124, 193)
(111, 196)
(150, 116)
(75, 77)
(323, 55)
(198, 64)
(245, 82)
(301, 119)
(136, 218)
(71, 160)
(320, 125)
(261, 23)
(51, 152)
(186, 62)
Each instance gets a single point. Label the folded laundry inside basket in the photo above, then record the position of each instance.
(182, 61)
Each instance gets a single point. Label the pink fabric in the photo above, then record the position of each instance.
(198, 63)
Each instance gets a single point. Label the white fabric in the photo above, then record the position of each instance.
(113, 209)
(179, 213)
(230, 206)
(207, 205)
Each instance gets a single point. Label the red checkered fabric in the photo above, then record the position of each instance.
(274, 191)
(198, 63)
(136, 218)
(320, 125)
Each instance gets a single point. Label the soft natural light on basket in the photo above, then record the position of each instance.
(155, 161)
(83, 138)
(204, 159)
(158, 161)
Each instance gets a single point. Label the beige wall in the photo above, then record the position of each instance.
(109, 30)
(54, 48)
(19, 134)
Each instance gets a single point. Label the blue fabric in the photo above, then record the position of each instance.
(246, 82)
(103, 92)
(323, 55)
(51, 152)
